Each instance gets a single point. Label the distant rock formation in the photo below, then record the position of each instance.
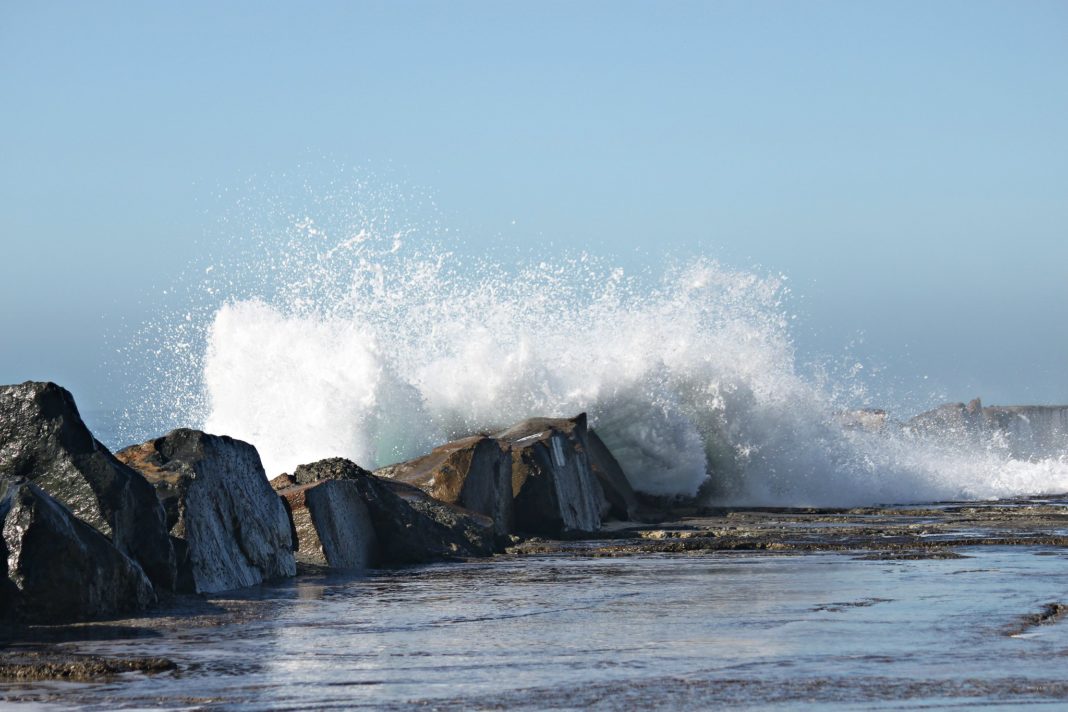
(1029, 431)
(232, 531)
(870, 420)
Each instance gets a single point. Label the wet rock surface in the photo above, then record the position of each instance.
(411, 527)
(332, 524)
(556, 493)
(234, 527)
(1049, 614)
(27, 665)
(56, 567)
(919, 532)
(622, 499)
(474, 473)
(43, 439)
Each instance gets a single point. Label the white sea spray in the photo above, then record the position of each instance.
(336, 329)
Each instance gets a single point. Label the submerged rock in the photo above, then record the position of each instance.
(56, 568)
(556, 493)
(411, 527)
(331, 524)
(474, 473)
(219, 504)
(43, 439)
(21, 665)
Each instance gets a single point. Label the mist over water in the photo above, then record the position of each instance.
(330, 326)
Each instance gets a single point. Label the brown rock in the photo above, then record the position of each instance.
(555, 491)
(474, 473)
(332, 525)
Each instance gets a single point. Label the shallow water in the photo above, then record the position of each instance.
(665, 632)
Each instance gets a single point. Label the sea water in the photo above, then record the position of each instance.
(682, 631)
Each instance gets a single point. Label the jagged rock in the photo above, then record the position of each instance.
(555, 491)
(411, 526)
(218, 502)
(331, 524)
(617, 490)
(474, 473)
(43, 438)
(56, 568)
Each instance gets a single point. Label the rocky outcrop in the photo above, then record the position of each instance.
(1032, 431)
(870, 420)
(1027, 431)
(43, 439)
(555, 491)
(56, 568)
(950, 419)
(411, 527)
(474, 473)
(622, 500)
(231, 527)
(331, 524)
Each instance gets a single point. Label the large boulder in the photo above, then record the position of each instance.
(56, 568)
(43, 439)
(474, 473)
(411, 527)
(331, 523)
(622, 499)
(231, 527)
(556, 493)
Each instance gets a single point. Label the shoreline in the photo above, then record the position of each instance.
(935, 531)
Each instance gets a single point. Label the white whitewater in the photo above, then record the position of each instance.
(340, 334)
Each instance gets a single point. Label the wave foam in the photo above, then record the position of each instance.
(346, 341)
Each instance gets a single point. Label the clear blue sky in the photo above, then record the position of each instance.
(906, 163)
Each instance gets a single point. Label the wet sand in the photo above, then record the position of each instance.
(948, 606)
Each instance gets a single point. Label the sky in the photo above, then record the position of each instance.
(904, 163)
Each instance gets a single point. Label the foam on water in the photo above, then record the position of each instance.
(339, 332)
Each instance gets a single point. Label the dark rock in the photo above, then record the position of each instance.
(474, 473)
(411, 526)
(331, 524)
(219, 503)
(43, 438)
(30, 665)
(556, 493)
(617, 490)
(56, 568)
